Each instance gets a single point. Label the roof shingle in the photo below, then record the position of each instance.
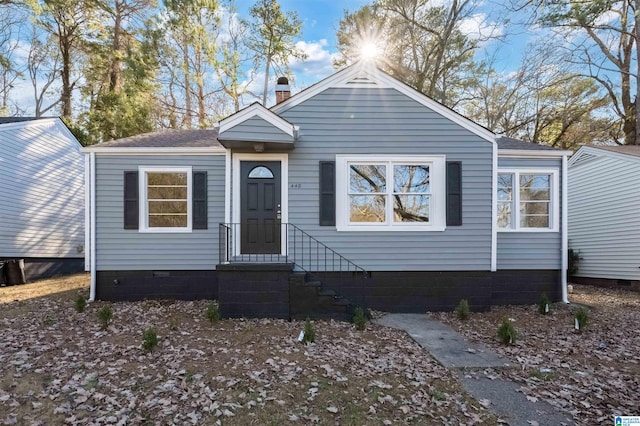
(169, 138)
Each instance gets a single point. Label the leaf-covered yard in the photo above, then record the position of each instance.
(594, 375)
(57, 366)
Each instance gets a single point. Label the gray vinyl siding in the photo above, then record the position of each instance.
(42, 192)
(256, 129)
(531, 250)
(604, 226)
(383, 121)
(126, 249)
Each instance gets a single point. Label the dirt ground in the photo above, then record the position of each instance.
(57, 366)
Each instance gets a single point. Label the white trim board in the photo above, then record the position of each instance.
(531, 153)
(284, 190)
(377, 79)
(257, 110)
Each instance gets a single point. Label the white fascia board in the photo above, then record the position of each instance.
(256, 110)
(105, 150)
(383, 81)
(532, 153)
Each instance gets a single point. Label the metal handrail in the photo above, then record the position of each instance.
(302, 249)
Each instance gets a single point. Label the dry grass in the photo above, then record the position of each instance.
(57, 366)
(53, 287)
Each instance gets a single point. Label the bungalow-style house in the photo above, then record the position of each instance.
(42, 196)
(603, 189)
(356, 191)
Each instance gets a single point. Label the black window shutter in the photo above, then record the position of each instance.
(454, 193)
(131, 203)
(327, 193)
(200, 219)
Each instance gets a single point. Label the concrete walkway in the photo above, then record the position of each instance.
(452, 350)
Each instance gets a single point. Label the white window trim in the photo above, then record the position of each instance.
(142, 187)
(554, 211)
(437, 202)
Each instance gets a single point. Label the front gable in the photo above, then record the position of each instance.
(256, 125)
(366, 76)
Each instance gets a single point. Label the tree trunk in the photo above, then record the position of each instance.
(636, 33)
(65, 97)
(266, 81)
(115, 79)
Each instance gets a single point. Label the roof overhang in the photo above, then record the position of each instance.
(114, 150)
(256, 145)
(533, 153)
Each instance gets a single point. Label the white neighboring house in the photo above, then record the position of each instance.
(42, 193)
(604, 214)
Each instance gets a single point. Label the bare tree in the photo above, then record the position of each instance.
(44, 67)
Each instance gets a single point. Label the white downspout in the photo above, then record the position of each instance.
(494, 209)
(92, 196)
(87, 214)
(565, 229)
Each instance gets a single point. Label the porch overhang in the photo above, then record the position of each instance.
(257, 145)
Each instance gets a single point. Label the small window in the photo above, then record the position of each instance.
(166, 199)
(261, 172)
(527, 200)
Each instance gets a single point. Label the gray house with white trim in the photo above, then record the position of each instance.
(604, 229)
(42, 196)
(356, 191)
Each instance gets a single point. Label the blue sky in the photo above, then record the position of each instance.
(321, 20)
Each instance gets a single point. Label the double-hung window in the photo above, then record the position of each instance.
(165, 199)
(390, 193)
(527, 200)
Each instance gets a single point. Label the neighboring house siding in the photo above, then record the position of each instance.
(383, 121)
(531, 250)
(256, 129)
(42, 192)
(604, 226)
(125, 249)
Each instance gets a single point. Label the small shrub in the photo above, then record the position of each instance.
(462, 310)
(507, 332)
(582, 318)
(105, 314)
(309, 332)
(173, 323)
(574, 262)
(359, 318)
(149, 339)
(212, 313)
(81, 304)
(543, 304)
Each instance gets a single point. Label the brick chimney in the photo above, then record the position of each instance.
(283, 92)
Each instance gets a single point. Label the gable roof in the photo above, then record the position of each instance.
(257, 110)
(365, 74)
(587, 153)
(167, 140)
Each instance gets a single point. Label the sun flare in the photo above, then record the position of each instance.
(369, 51)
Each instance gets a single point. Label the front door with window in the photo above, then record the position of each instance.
(260, 207)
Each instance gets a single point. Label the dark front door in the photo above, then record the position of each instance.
(260, 207)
